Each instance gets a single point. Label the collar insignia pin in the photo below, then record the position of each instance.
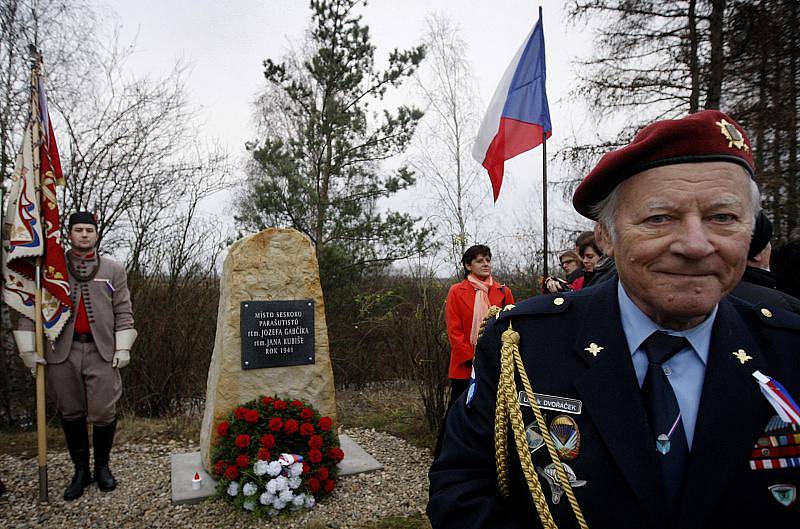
(741, 356)
(594, 349)
(784, 493)
(732, 134)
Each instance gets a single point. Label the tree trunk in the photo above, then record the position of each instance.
(694, 68)
(714, 95)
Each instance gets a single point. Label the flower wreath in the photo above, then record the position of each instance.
(271, 454)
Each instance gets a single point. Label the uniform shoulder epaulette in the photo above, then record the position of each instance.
(544, 304)
(775, 317)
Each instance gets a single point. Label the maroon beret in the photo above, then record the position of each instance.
(708, 136)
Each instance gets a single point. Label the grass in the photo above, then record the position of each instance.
(392, 407)
(129, 429)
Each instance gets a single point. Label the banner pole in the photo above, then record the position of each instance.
(41, 410)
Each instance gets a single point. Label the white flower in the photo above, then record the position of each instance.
(296, 469)
(272, 486)
(279, 504)
(260, 468)
(233, 488)
(294, 482)
(310, 501)
(249, 489)
(286, 496)
(249, 505)
(274, 468)
(299, 500)
(266, 498)
(281, 483)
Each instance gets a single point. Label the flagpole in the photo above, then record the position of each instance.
(41, 411)
(544, 198)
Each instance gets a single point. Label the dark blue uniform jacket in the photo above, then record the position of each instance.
(616, 456)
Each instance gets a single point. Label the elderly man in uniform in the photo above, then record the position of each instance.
(657, 394)
(84, 362)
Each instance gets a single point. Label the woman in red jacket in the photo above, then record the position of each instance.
(467, 305)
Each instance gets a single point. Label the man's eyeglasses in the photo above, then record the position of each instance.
(566, 262)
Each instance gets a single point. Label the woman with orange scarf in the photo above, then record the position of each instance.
(467, 305)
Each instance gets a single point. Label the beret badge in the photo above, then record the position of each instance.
(732, 134)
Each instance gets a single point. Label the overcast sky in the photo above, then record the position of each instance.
(226, 41)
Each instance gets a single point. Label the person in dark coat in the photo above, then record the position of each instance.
(640, 402)
(759, 284)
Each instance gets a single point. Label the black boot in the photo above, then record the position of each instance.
(103, 438)
(78, 445)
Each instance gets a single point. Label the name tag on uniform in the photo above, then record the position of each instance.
(552, 402)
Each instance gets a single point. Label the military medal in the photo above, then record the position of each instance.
(779, 398)
(779, 448)
(566, 436)
(550, 474)
(534, 437)
(784, 493)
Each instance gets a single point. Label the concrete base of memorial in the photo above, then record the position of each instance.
(184, 466)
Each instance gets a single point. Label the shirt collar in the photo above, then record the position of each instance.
(638, 326)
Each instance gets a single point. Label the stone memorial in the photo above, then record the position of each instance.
(271, 333)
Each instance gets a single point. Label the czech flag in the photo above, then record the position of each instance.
(518, 118)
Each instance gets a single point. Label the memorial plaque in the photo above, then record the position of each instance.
(277, 333)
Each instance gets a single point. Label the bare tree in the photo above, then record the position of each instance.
(445, 137)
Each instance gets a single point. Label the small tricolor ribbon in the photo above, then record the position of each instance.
(776, 394)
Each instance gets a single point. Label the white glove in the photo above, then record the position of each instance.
(26, 344)
(122, 358)
(30, 359)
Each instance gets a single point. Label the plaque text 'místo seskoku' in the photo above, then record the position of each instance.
(277, 333)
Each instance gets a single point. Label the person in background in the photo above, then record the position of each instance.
(590, 255)
(83, 364)
(573, 269)
(759, 284)
(785, 264)
(467, 304)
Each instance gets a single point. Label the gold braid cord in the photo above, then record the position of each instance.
(491, 313)
(508, 409)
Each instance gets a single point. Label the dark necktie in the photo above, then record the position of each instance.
(664, 414)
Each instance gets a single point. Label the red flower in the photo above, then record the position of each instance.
(263, 454)
(306, 429)
(243, 461)
(222, 429)
(322, 473)
(242, 440)
(296, 404)
(251, 416)
(336, 454)
(313, 484)
(278, 404)
(290, 426)
(268, 440)
(314, 455)
(219, 467)
(325, 424)
(328, 486)
(306, 468)
(315, 441)
(306, 414)
(275, 424)
(231, 473)
(266, 401)
(240, 412)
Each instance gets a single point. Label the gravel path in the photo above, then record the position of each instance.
(142, 498)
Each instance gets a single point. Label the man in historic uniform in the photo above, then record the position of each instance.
(83, 364)
(654, 400)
